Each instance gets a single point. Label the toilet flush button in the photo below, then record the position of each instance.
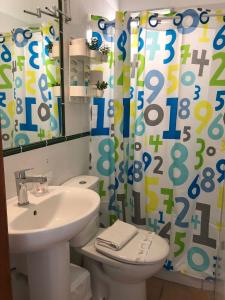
(82, 182)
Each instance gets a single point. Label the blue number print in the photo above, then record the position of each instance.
(126, 117)
(219, 99)
(207, 183)
(194, 189)
(34, 55)
(5, 121)
(2, 98)
(172, 133)
(120, 44)
(220, 170)
(100, 129)
(181, 216)
(21, 139)
(140, 40)
(147, 159)
(204, 262)
(154, 46)
(154, 88)
(43, 86)
(178, 163)
(140, 125)
(6, 54)
(195, 21)
(169, 46)
(106, 164)
(219, 37)
(188, 78)
(219, 128)
(197, 92)
(113, 188)
(29, 126)
(141, 99)
(21, 42)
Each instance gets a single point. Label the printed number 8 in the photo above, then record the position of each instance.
(178, 163)
(105, 164)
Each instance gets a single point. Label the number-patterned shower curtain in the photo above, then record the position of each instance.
(29, 110)
(157, 135)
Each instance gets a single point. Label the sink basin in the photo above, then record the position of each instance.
(49, 219)
(42, 229)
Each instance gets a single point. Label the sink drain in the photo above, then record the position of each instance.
(34, 212)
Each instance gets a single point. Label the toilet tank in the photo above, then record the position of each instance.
(90, 230)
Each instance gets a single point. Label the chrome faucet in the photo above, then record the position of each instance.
(21, 187)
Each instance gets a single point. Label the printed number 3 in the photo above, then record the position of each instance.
(169, 46)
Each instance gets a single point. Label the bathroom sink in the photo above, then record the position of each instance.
(49, 219)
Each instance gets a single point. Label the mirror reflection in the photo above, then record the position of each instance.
(30, 102)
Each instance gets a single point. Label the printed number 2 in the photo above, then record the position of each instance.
(214, 80)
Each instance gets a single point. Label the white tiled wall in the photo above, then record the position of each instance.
(59, 162)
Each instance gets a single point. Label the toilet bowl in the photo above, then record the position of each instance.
(116, 275)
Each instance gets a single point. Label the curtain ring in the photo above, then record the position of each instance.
(153, 17)
(27, 31)
(177, 23)
(52, 30)
(101, 24)
(2, 39)
(201, 17)
(128, 24)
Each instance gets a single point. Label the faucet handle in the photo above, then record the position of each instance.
(22, 173)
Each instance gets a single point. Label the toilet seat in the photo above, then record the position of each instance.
(158, 251)
(144, 248)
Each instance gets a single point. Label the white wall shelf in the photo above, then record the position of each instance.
(78, 48)
(83, 80)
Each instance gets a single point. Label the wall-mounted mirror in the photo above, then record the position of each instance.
(30, 94)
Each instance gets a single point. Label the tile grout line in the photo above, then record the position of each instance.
(161, 292)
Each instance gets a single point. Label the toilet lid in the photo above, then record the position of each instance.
(145, 248)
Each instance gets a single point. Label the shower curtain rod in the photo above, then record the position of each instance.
(136, 19)
(152, 9)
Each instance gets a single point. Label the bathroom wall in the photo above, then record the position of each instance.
(12, 14)
(60, 161)
(146, 4)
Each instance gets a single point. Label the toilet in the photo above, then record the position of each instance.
(116, 276)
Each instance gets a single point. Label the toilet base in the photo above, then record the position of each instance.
(105, 288)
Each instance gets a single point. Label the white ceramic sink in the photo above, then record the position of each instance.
(54, 217)
(42, 229)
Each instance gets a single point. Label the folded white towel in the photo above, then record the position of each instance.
(117, 235)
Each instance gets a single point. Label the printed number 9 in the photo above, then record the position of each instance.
(155, 88)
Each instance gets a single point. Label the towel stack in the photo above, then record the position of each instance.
(117, 235)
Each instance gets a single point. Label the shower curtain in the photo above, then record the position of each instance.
(157, 136)
(29, 110)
